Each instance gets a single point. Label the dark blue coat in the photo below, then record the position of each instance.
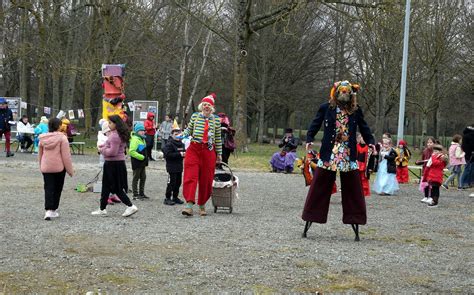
(327, 115)
(5, 116)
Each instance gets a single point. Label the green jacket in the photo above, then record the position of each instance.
(138, 151)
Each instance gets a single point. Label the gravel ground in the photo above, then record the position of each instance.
(405, 247)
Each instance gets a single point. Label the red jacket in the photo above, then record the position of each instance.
(149, 122)
(435, 171)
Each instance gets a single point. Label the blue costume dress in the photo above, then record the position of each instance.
(385, 182)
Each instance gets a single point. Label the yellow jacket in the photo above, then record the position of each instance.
(402, 160)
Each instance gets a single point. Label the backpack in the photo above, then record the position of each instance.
(229, 142)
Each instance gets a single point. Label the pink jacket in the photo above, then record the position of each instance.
(114, 148)
(54, 153)
(456, 155)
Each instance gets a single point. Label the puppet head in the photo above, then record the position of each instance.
(343, 94)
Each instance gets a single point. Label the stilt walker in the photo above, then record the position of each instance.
(341, 117)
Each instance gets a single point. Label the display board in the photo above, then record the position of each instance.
(14, 104)
(141, 108)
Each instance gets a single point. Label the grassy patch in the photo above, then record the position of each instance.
(263, 290)
(452, 232)
(420, 281)
(308, 289)
(310, 264)
(369, 231)
(417, 240)
(117, 279)
(258, 157)
(339, 282)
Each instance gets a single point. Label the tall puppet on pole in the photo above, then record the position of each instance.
(341, 116)
(113, 85)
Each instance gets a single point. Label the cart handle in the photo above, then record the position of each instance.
(228, 167)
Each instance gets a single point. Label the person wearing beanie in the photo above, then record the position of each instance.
(340, 118)
(403, 156)
(40, 129)
(6, 117)
(204, 151)
(139, 158)
(174, 153)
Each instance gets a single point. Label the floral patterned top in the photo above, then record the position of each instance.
(340, 160)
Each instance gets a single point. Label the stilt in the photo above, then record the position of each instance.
(306, 228)
(355, 227)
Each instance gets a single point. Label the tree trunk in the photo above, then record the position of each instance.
(205, 53)
(87, 102)
(56, 77)
(379, 105)
(184, 61)
(424, 127)
(261, 101)
(168, 94)
(23, 61)
(240, 75)
(253, 127)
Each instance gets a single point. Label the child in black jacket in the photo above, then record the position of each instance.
(174, 153)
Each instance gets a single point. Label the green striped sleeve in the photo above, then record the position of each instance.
(217, 135)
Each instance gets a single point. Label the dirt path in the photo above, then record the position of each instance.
(405, 247)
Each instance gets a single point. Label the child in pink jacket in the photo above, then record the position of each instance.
(54, 160)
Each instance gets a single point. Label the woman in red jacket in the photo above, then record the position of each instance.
(150, 130)
(434, 173)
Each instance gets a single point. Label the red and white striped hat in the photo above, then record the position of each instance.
(209, 99)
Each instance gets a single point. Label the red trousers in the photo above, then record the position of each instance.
(353, 202)
(402, 174)
(199, 168)
(7, 139)
(365, 183)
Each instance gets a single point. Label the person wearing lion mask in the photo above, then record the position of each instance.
(340, 118)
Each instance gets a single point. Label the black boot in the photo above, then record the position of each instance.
(306, 228)
(168, 201)
(178, 201)
(10, 154)
(355, 227)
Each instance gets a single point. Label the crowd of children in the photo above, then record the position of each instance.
(389, 163)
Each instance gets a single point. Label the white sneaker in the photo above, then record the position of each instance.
(471, 195)
(429, 201)
(130, 210)
(48, 215)
(424, 200)
(54, 214)
(100, 212)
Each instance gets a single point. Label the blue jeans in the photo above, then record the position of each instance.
(467, 176)
(455, 172)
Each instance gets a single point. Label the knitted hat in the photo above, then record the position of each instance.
(209, 99)
(105, 127)
(138, 127)
(44, 120)
(3, 100)
(402, 142)
(288, 130)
